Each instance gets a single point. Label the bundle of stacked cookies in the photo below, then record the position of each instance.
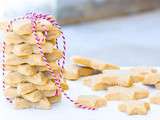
(121, 84)
(28, 81)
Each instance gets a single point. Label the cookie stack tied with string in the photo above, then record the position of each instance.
(28, 82)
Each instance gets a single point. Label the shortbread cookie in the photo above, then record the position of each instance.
(74, 72)
(95, 83)
(155, 99)
(103, 81)
(10, 92)
(138, 73)
(32, 40)
(55, 55)
(14, 78)
(49, 74)
(122, 77)
(34, 59)
(24, 69)
(71, 73)
(134, 76)
(22, 27)
(43, 25)
(95, 64)
(12, 59)
(144, 70)
(49, 86)
(64, 85)
(91, 101)
(43, 104)
(22, 49)
(38, 79)
(48, 93)
(157, 85)
(86, 71)
(54, 99)
(53, 65)
(26, 49)
(13, 38)
(24, 88)
(34, 96)
(134, 107)
(21, 103)
(151, 79)
(122, 93)
(53, 34)
(48, 47)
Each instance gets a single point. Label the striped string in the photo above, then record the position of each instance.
(33, 17)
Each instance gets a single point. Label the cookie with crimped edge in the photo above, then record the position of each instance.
(33, 59)
(24, 69)
(26, 49)
(74, 72)
(155, 99)
(134, 107)
(91, 101)
(95, 64)
(103, 81)
(10, 92)
(34, 96)
(122, 93)
(25, 88)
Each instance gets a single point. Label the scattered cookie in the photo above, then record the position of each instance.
(96, 83)
(126, 73)
(155, 99)
(122, 93)
(95, 64)
(138, 73)
(151, 79)
(74, 72)
(134, 107)
(103, 81)
(91, 101)
(121, 77)
(157, 85)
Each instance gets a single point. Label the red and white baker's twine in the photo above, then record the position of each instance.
(57, 77)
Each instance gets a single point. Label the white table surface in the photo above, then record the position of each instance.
(126, 41)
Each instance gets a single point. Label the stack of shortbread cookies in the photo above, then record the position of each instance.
(28, 81)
